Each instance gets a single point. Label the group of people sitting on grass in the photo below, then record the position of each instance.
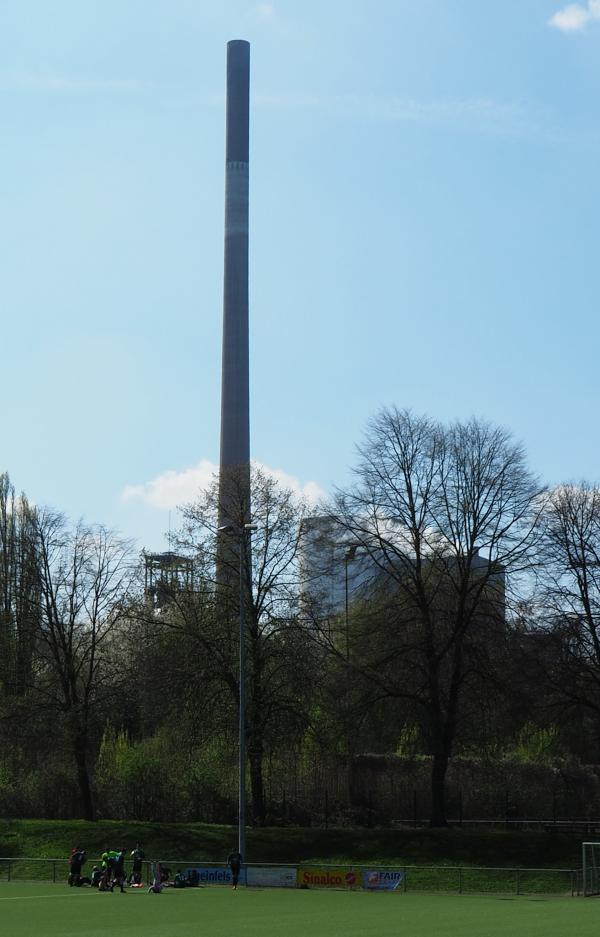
(111, 870)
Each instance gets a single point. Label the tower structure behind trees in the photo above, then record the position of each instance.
(166, 574)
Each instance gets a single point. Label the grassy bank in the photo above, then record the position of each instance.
(199, 842)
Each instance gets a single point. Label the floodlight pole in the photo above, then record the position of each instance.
(242, 705)
(242, 533)
(349, 555)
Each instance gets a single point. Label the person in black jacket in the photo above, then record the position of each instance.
(76, 861)
(138, 857)
(234, 861)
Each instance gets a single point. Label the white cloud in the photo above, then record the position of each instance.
(265, 10)
(309, 491)
(171, 489)
(575, 17)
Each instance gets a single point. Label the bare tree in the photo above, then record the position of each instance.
(567, 626)
(277, 661)
(443, 516)
(18, 588)
(85, 578)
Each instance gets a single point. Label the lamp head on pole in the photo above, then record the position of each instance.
(232, 529)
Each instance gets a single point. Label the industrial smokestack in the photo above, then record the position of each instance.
(235, 404)
(234, 562)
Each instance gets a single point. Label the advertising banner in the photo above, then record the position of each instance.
(382, 879)
(272, 876)
(327, 878)
(211, 875)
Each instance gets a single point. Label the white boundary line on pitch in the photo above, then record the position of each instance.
(35, 897)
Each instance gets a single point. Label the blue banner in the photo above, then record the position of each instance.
(212, 875)
(382, 879)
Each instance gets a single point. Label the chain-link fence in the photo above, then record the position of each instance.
(465, 880)
(17, 869)
(413, 878)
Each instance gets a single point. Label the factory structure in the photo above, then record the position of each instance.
(339, 567)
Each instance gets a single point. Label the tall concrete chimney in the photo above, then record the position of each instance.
(235, 403)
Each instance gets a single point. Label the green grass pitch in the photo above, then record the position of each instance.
(58, 911)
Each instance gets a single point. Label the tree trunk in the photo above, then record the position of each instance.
(83, 779)
(255, 758)
(438, 789)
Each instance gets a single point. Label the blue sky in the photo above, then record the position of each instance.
(424, 232)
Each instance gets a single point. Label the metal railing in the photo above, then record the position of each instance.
(514, 823)
(515, 881)
(27, 869)
(415, 878)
